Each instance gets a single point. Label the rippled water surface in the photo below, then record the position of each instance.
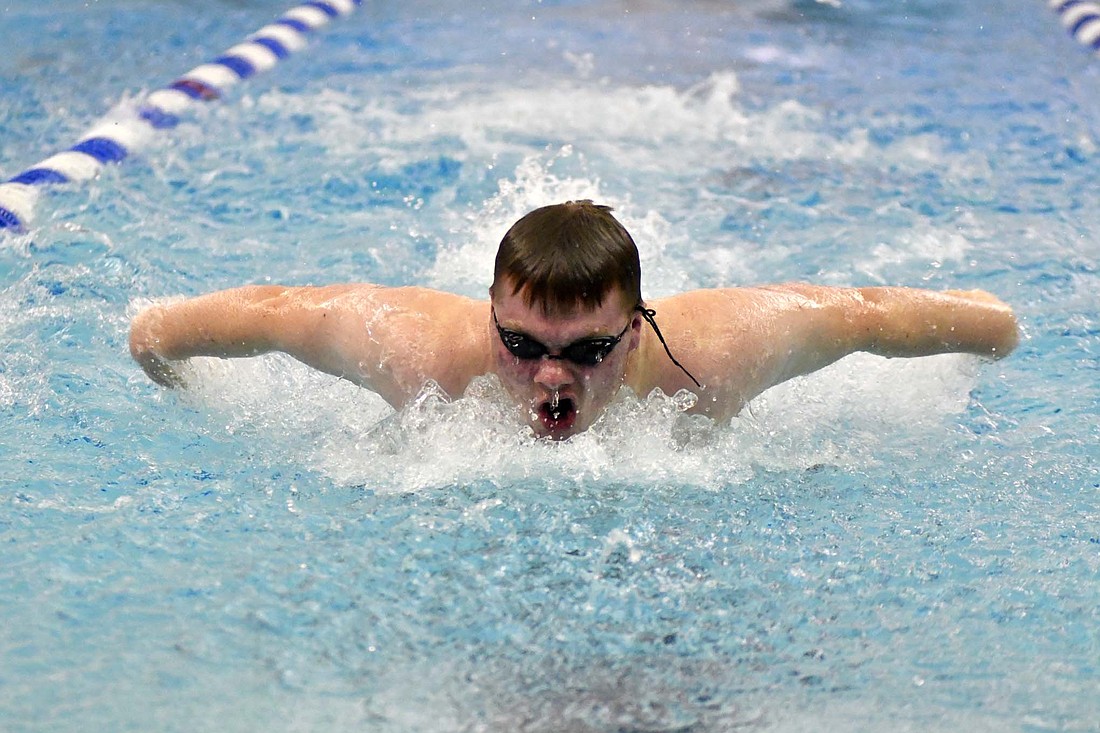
(885, 545)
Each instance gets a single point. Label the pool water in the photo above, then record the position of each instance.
(885, 545)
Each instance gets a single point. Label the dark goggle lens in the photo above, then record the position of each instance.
(585, 353)
(588, 353)
(521, 346)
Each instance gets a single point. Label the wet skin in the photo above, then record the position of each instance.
(737, 342)
(558, 397)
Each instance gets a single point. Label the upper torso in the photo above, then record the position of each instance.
(395, 339)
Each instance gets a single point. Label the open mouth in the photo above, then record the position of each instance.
(558, 415)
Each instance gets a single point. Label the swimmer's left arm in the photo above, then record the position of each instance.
(741, 341)
(894, 322)
(914, 322)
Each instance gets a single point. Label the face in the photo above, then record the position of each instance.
(559, 397)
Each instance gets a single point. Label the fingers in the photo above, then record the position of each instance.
(161, 371)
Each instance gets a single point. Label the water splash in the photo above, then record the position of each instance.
(857, 413)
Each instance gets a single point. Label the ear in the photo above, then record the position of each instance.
(635, 331)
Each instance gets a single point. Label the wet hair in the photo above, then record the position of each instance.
(570, 255)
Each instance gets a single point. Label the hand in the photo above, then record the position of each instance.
(160, 370)
(996, 320)
(142, 348)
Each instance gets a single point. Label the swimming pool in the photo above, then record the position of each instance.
(886, 545)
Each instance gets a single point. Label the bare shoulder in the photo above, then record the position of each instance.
(392, 309)
(711, 333)
(735, 341)
(392, 339)
(741, 341)
(369, 295)
(722, 309)
(782, 292)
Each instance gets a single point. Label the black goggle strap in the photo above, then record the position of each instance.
(648, 314)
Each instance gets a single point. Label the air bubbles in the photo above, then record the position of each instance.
(858, 413)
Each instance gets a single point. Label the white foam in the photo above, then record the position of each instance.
(656, 127)
(554, 141)
(7, 392)
(931, 246)
(466, 264)
(854, 414)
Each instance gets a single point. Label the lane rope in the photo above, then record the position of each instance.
(112, 140)
(1082, 19)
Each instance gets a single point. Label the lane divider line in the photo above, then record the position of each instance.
(1082, 19)
(112, 140)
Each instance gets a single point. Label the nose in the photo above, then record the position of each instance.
(553, 373)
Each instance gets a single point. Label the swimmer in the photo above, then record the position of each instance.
(565, 327)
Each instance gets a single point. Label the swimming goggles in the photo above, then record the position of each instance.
(585, 352)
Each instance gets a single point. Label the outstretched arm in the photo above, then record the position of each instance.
(386, 339)
(228, 323)
(911, 322)
(825, 324)
(892, 322)
(741, 341)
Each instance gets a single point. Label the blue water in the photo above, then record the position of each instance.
(886, 545)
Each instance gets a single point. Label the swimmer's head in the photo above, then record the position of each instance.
(567, 257)
(567, 284)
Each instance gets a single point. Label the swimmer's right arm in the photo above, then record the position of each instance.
(388, 340)
(226, 324)
(240, 322)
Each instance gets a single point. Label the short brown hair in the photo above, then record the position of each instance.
(570, 255)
